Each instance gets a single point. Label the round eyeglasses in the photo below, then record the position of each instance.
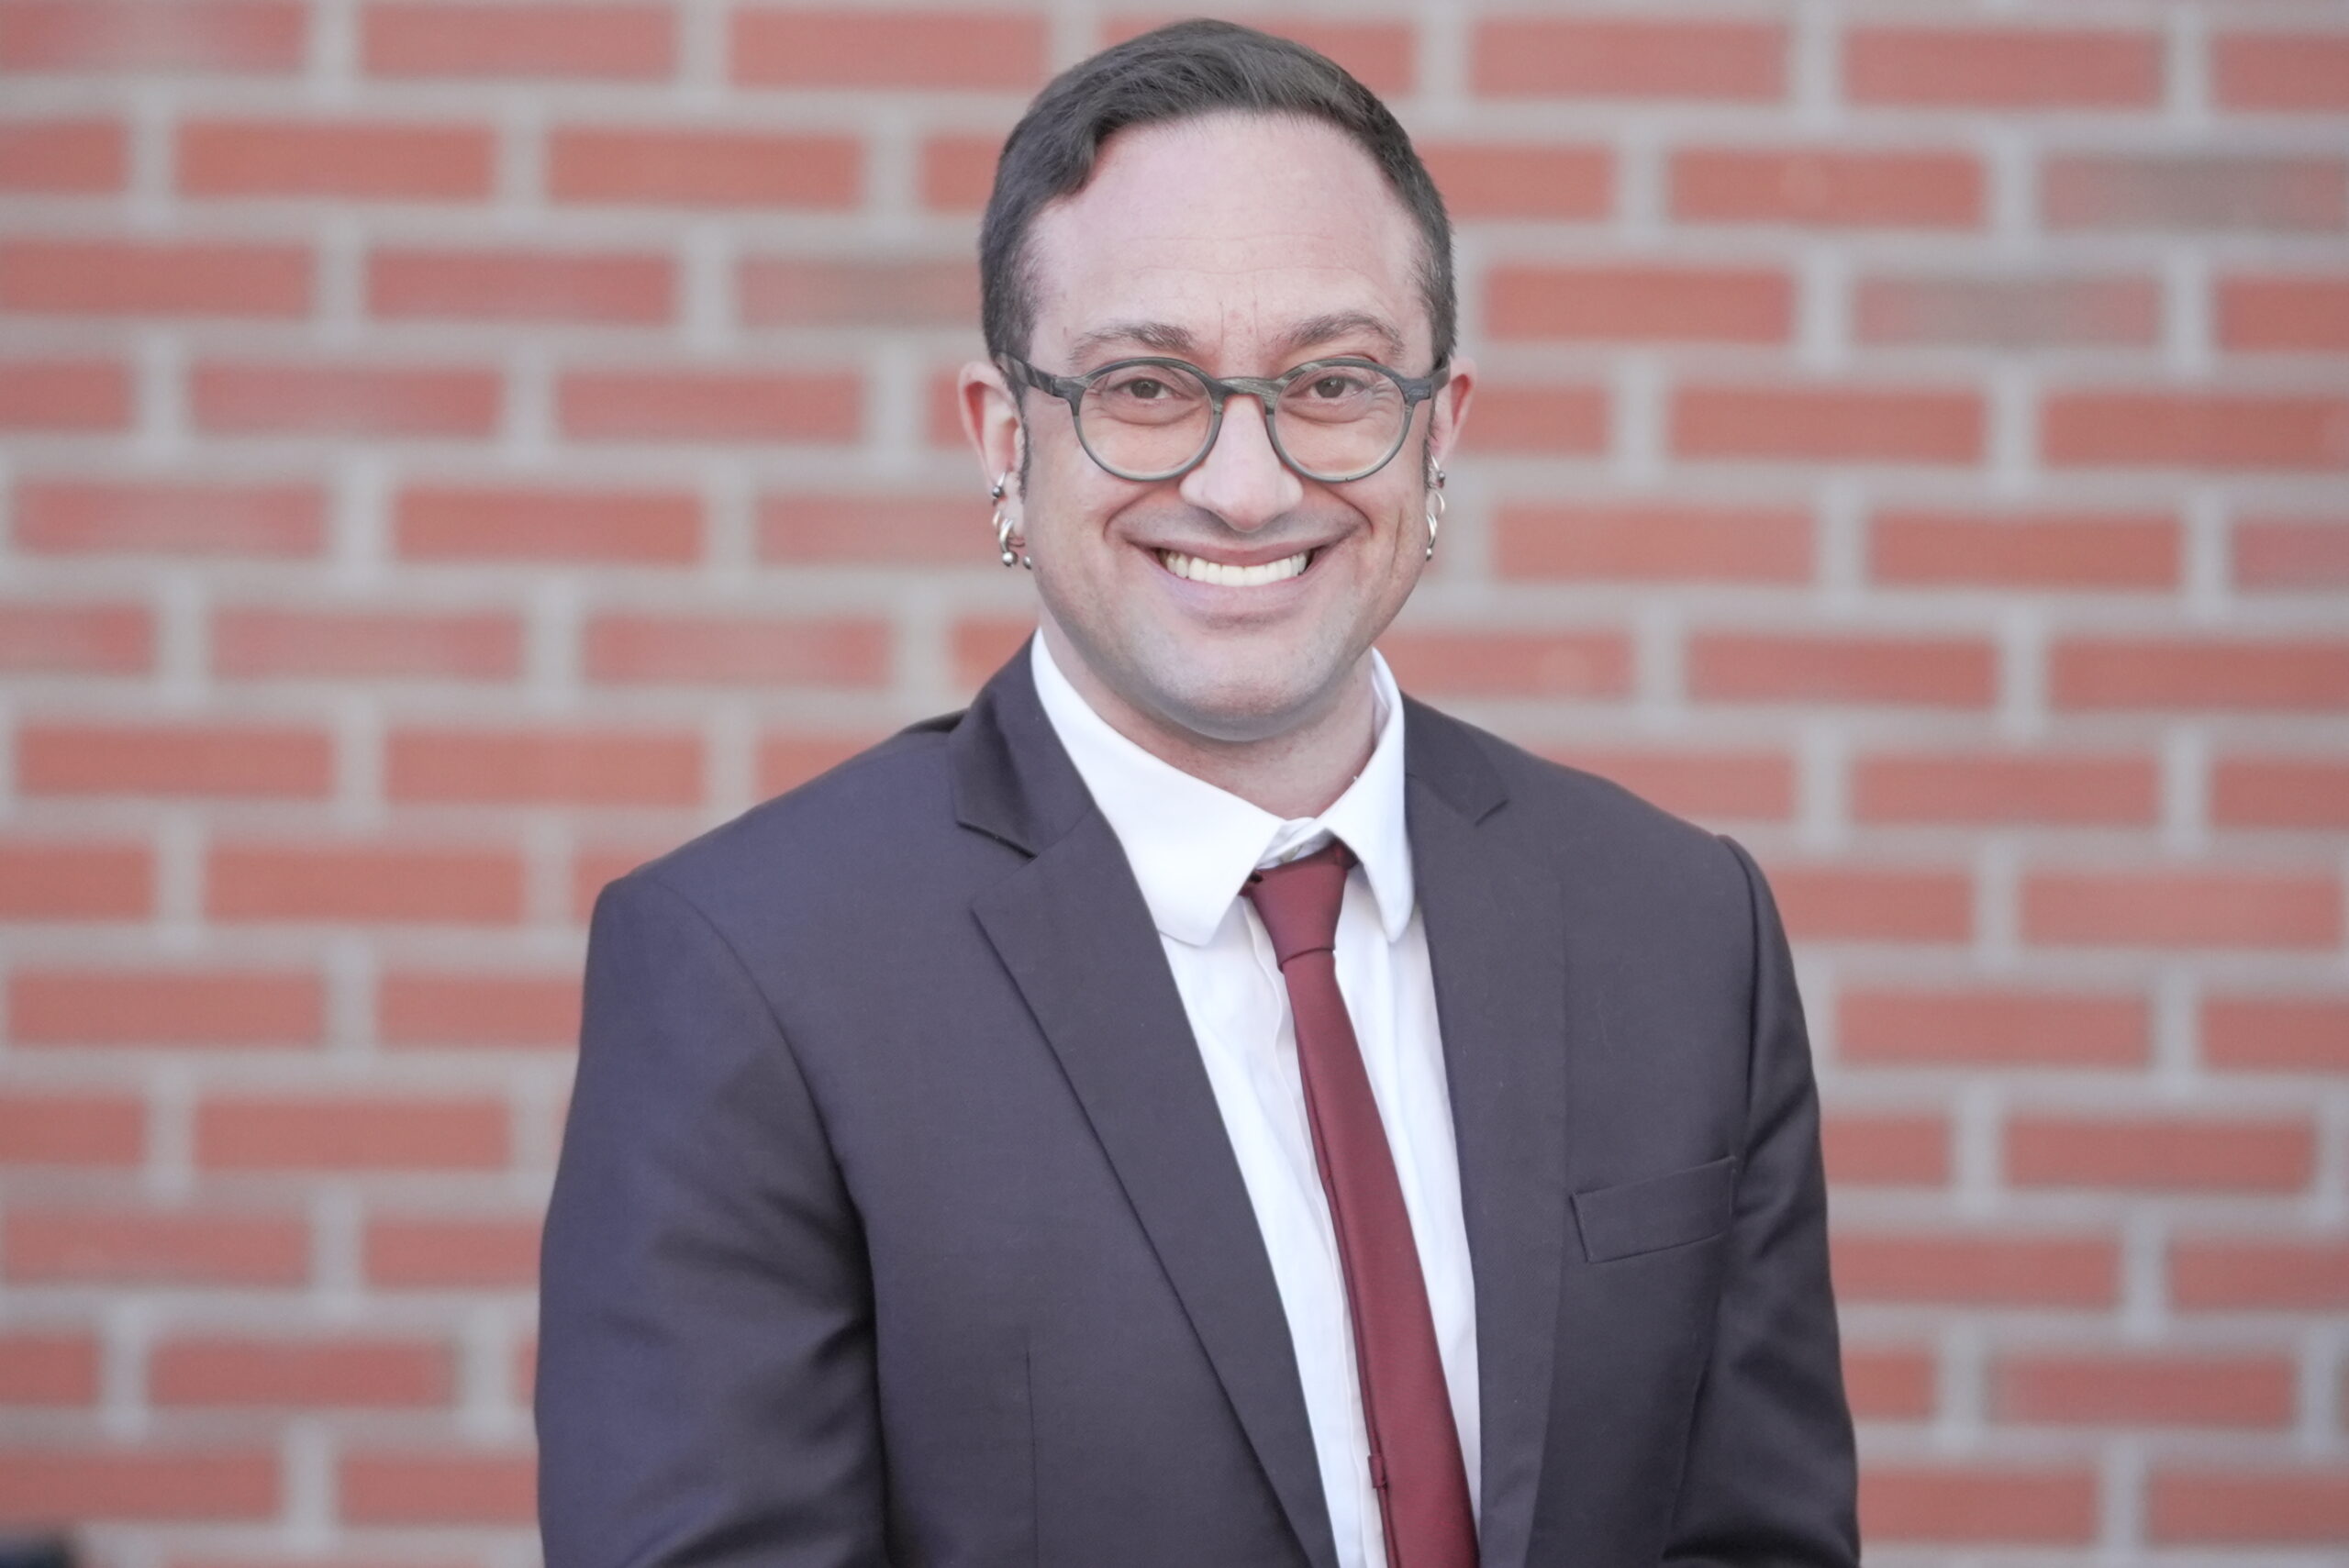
(1151, 419)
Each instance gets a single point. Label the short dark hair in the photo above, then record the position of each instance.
(1180, 71)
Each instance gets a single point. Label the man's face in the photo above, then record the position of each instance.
(1245, 244)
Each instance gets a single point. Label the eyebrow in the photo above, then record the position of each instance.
(1165, 338)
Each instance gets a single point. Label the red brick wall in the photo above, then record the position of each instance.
(452, 449)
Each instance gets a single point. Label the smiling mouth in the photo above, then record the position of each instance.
(1192, 569)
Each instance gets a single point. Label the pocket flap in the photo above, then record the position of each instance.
(1660, 1212)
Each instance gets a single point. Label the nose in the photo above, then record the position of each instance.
(1242, 479)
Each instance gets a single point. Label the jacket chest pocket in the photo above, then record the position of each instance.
(1672, 1210)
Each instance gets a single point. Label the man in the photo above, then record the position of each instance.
(1197, 1106)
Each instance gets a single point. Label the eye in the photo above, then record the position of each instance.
(1142, 388)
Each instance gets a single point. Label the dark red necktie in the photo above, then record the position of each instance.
(1415, 1464)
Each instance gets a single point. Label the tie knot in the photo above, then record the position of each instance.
(1298, 901)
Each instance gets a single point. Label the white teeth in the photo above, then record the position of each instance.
(1224, 576)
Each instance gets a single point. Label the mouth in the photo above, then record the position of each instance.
(1222, 574)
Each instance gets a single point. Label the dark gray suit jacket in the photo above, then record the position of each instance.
(895, 1222)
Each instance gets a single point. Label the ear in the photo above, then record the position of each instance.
(991, 419)
(1448, 409)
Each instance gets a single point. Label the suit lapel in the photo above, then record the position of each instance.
(1496, 927)
(1071, 929)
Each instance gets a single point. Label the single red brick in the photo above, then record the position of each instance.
(79, 395)
(425, 1007)
(61, 1481)
(1636, 304)
(1655, 542)
(680, 650)
(2194, 192)
(2160, 1154)
(511, 767)
(56, 1369)
(1379, 55)
(76, 879)
(2144, 1389)
(2238, 1272)
(1827, 189)
(2293, 72)
(666, 166)
(1815, 424)
(1865, 667)
(2270, 314)
(786, 762)
(505, 523)
(452, 1254)
(438, 1488)
(777, 291)
(90, 1129)
(1494, 664)
(1610, 58)
(125, 277)
(367, 1132)
(2215, 430)
(1940, 549)
(1979, 1505)
(253, 36)
(2182, 910)
(1890, 1383)
(260, 644)
(2280, 792)
(257, 398)
(1928, 1027)
(1959, 1270)
(2286, 1034)
(76, 639)
(2295, 555)
(143, 1007)
(236, 1372)
(64, 157)
(278, 761)
(2014, 313)
(606, 42)
(1756, 787)
(709, 405)
(352, 160)
(1874, 904)
(981, 647)
(279, 880)
(892, 530)
(2268, 1507)
(154, 1247)
(2064, 789)
(958, 170)
(1539, 419)
(1887, 1150)
(2002, 68)
(1486, 180)
(778, 47)
(617, 288)
(94, 516)
(2200, 673)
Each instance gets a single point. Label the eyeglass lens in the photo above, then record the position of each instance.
(1151, 419)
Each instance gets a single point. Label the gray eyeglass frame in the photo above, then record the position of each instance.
(1268, 391)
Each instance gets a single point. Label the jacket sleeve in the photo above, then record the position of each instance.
(1771, 1477)
(706, 1389)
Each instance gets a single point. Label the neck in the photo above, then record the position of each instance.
(1301, 771)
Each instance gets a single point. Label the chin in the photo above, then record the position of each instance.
(1244, 703)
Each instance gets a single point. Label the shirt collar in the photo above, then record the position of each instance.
(1192, 845)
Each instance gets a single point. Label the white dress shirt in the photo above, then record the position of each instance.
(1192, 846)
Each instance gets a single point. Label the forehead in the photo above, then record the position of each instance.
(1234, 228)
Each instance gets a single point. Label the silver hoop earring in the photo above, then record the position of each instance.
(1011, 552)
(1435, 506)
